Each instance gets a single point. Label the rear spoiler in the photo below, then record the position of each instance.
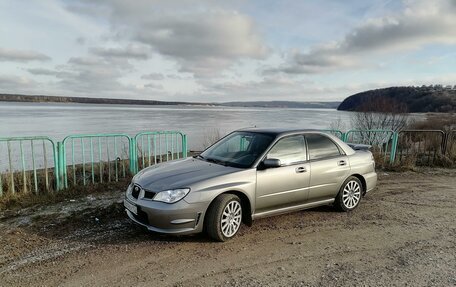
(359, 146)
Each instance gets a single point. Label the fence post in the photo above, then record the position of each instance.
(345, 137)
(446, 138)
(58, 166)
(133, 158)
(394, 147)
(184, 146)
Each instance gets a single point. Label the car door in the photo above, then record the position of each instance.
(288, 184)
(329, 167)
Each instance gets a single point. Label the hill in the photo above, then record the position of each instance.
(415, 99)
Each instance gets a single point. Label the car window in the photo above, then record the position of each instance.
(239, 149)
(237, 143)
(320, 146)
(289, 150)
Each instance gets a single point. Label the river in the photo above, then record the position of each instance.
(198, 122)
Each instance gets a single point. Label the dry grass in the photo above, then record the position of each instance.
(444, 122)
(20, 200)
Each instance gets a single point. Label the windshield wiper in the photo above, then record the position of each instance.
(198, 156)
(216, 161)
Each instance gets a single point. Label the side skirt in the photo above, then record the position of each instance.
(292, 208)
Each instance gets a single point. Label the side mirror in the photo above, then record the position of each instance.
(271, 163)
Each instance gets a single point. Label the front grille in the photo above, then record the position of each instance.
(136, 190)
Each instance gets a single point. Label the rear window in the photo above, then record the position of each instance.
(321, 147)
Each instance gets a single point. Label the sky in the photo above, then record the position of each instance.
(217, 51)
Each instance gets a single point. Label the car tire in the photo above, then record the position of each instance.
(224, 217)
(349, 195)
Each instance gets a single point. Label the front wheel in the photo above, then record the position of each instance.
(349, 195)
(224, 217)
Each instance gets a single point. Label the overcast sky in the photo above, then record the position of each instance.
(216, 51)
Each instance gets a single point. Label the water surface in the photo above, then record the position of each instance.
(59, 120)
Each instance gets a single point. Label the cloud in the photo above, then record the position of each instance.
(421, 23)
(16, 84)
(130, 52)
(42, 72)
(80, 41)
(153, 86)
(21, 56)
(153, 76)
(201, 41)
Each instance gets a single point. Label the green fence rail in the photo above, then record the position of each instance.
(94, 158)
(383, 142)
(82, 159)
(154, 147)
(32, 164)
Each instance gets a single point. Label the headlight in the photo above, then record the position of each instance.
(171, 196)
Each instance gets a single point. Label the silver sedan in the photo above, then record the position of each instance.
(250, 174)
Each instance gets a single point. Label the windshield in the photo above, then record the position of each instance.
(239, 149)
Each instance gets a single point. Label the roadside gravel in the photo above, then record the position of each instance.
(403, 234)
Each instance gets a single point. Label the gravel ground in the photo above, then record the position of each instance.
(402, 234)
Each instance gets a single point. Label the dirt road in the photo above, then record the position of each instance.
(403, 234)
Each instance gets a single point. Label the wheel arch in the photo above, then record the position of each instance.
(363, 181)
(245, 204)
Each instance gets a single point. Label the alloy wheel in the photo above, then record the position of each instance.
(231, 218)
(351, 194)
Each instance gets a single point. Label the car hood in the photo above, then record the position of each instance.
(179, 174)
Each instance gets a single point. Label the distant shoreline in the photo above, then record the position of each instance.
(109, 101)
(84, 100)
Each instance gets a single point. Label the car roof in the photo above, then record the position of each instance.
(278, 131)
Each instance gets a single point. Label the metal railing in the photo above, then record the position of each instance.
(450, 145)
(383, 142)
(155, 147)
(32, 164)
(82, 159)
(38, 163)
(422, 147)
(94, 158)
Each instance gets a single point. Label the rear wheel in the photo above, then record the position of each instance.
(350, 194)
(224, 217)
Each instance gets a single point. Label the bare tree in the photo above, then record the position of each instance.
(379, 114)
(338, 125)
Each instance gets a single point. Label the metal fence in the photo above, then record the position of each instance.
(32, 164)
(154, 147)
(28, 164)
(383, 142)
(450, 145)
(421, 147)
(94, 158)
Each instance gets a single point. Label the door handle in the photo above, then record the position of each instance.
(342, 162)
(301, 169)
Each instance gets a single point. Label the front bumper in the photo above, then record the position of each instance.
(177, 218)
